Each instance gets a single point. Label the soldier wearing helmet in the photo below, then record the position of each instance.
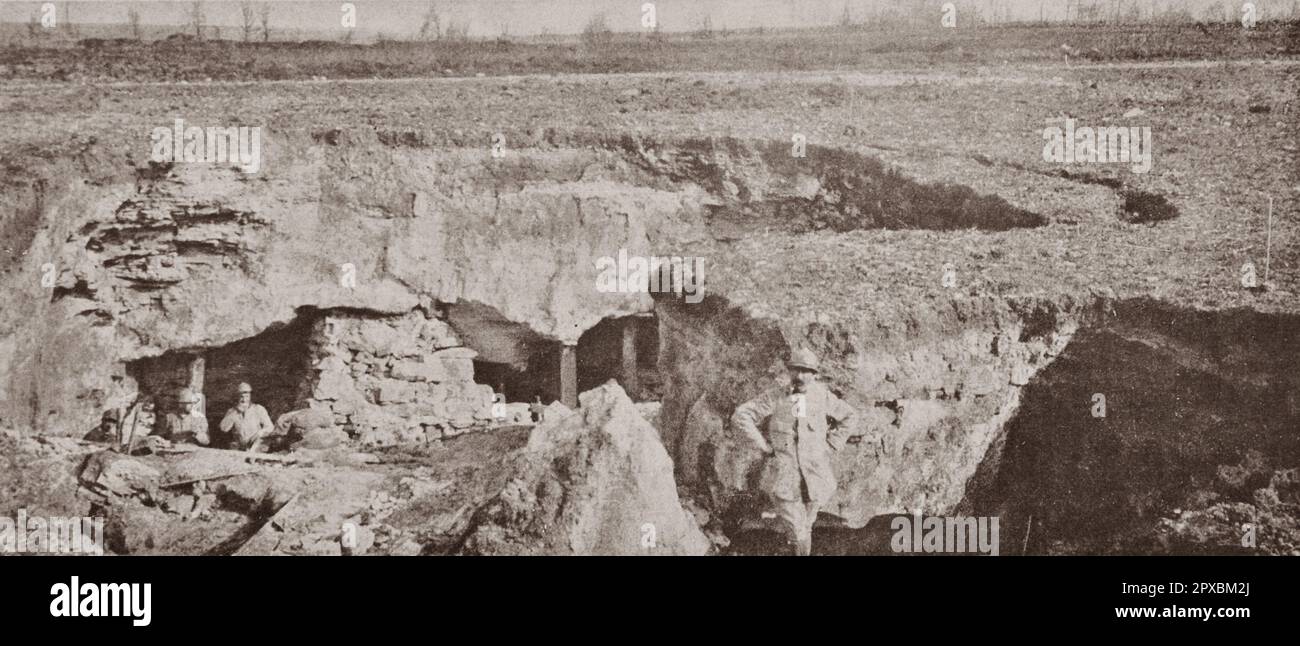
(247, 423)
(107, 431)
(190, 425)
(805, 423)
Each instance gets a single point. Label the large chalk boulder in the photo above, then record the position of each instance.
(594, 481)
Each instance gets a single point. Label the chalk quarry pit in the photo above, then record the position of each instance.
(391, 280)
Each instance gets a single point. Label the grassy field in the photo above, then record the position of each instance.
(177, 59)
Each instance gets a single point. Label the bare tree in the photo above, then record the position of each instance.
(597, 35)
(846, 17)
(248, 19)
(431, 29)
(706, 28)
(456, 32)
(196, 18)
(133, 19)
(265, 15)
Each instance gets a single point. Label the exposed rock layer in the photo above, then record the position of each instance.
(931, 392)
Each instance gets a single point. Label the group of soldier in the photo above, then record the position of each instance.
(797, 425)
(244, 426)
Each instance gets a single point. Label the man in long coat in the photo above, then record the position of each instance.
(800, 439)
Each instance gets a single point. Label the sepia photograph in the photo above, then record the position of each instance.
(726, 278)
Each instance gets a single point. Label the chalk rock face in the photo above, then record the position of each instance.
(930, 399)
(595, 481)
(108, 265)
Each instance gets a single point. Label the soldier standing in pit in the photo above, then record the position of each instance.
(797, 476)
(247, 423)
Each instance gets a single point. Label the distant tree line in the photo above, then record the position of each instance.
(437, 26)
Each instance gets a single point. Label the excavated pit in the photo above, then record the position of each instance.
(1196, 448)
(818, 187)
(178, 258)
(471, 274)
(1196, 443)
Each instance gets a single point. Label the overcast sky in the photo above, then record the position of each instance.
(526, 17)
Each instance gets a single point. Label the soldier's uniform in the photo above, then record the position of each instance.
(797, 475)
(141, 426)
(244, 429)
(107, 431)
(189, 428)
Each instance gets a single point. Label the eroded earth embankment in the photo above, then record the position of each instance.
(1110, 427)
(376, 278)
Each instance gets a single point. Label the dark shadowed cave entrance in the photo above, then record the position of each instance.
(281, 363)
(523, 363)
(624, 349)
(275, 363)
(510, 354)
(539, 376)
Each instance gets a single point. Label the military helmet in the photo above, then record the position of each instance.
(245, 388)
(186, 396)
(803, 358)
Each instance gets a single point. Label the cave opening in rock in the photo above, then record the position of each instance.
(388, 378)
(275, 363)
(539, 377)
(510, 355)
(625, 349)
(1168, 435)
(514, 359)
